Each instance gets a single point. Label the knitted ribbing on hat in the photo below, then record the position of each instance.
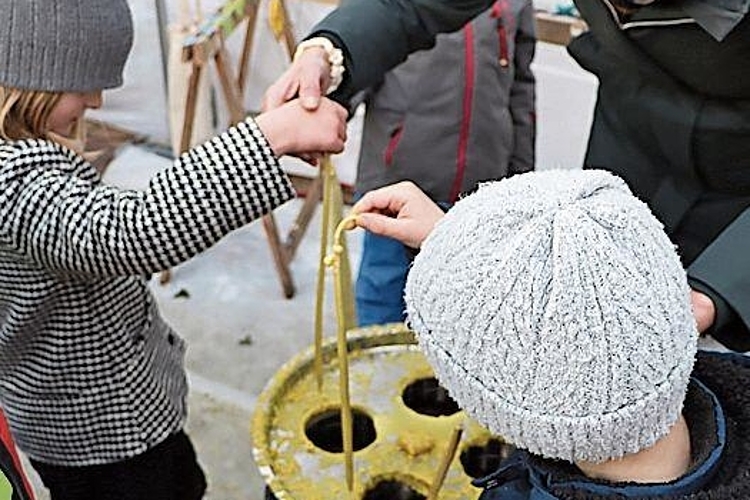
(64, 45)
(556, 312)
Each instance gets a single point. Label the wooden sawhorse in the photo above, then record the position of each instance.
(208, 44)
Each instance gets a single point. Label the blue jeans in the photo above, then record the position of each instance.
(380, 282)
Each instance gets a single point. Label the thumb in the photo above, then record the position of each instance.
(309, 89)
(384, 225)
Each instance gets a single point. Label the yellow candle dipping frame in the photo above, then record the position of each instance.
(398, 450)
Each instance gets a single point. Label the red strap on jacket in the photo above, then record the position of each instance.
(10, 446)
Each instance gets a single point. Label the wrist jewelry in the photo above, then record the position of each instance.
(335, 59)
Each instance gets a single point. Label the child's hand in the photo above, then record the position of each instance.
(401, 211)
(291, 129)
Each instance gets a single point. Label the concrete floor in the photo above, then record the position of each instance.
(228, 304)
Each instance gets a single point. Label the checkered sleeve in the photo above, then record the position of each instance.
(56, 212)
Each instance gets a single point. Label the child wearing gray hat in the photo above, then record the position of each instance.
(91, 377)
(555, 310)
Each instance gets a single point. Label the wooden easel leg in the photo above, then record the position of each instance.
(301, 222)
(289, 41)
(165, 276)
(247, 45)
(229, 87)
(279, 255)
(191, 101)
(233, 98)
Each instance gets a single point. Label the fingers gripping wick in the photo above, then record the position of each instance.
(333, 260)
(347, 224)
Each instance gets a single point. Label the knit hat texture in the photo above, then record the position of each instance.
(64, 45)
(555, 310)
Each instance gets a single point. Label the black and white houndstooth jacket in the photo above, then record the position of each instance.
(89, 372)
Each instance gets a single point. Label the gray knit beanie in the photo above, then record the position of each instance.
(64, 45)
(556, 312)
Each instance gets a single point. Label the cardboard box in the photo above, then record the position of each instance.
(557, 29)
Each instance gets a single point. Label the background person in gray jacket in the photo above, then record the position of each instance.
(446, 119)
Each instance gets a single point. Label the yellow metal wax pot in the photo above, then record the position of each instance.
(401, 418)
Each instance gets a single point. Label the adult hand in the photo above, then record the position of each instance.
(401, 211)
(307, 78)
(704, 310)
(292, 129)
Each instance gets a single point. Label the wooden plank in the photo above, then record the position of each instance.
(557, 29)
(202, 43)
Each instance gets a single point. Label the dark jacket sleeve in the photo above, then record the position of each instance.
(724, 269)
(377, 35)
(523, 94)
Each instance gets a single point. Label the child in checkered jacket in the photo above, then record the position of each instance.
(91, 377)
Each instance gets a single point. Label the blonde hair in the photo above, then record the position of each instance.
(24, 115)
